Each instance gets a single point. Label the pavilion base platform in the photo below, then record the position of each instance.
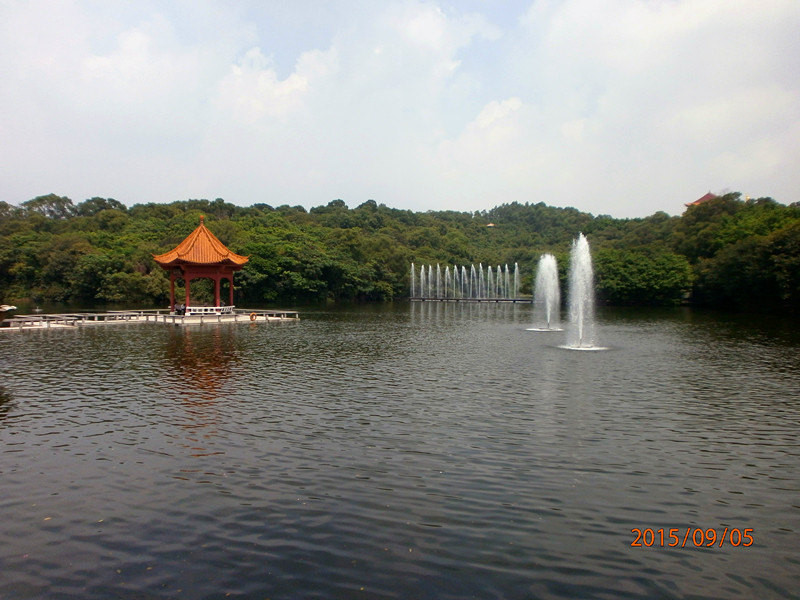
(191, 316)
(204, 315)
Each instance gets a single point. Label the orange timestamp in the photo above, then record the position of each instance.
(694, 537)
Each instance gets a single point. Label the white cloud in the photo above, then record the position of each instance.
(659, 91)
(622, 107)
(492, 144)
(252, 90)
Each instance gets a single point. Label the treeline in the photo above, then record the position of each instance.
(725, 252)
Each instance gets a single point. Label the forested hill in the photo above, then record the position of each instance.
(724, 252)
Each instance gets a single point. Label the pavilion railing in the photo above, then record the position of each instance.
(209, 310)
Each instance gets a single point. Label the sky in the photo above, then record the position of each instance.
(615, 107)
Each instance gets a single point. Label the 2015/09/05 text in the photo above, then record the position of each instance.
(693, 537)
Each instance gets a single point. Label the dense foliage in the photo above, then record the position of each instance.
(724, 252)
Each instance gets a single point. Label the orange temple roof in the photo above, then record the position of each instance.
(702, 199)
(201, 247)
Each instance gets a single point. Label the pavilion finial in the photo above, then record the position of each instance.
(201, 219)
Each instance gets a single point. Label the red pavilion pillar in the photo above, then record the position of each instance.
(187, 278)
(172, 290)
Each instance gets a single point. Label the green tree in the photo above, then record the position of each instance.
(641, 277)
(734, 251)
(92, 206)
(50, 206)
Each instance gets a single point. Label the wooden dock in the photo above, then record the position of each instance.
(112, 317)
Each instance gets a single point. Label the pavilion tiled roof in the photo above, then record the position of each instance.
(702, 199)
(201, 247)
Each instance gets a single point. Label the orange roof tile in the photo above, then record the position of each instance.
(702, 199)
(201, 247)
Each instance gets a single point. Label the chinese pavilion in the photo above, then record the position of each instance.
(200, 256)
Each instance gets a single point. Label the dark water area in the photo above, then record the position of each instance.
(423, 450)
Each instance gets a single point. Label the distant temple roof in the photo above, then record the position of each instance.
(706, 198)
(201, 247)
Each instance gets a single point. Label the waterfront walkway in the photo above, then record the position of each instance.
(81, 319)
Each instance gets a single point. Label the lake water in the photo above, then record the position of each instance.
(422, 450)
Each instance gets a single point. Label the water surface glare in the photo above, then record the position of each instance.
(423, 450)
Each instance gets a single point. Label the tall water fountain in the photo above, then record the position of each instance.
(580, 333)
(547, 296)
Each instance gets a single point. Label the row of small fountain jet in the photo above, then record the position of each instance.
(475, 284)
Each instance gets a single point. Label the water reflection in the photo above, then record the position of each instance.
(446, 313)
(5, 403)
(198, 366)
(201, 358)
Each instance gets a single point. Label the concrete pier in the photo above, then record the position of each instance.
(112, 317)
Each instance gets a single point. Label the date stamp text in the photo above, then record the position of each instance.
(692, 537)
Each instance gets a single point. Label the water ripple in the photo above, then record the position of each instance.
(411, 451)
